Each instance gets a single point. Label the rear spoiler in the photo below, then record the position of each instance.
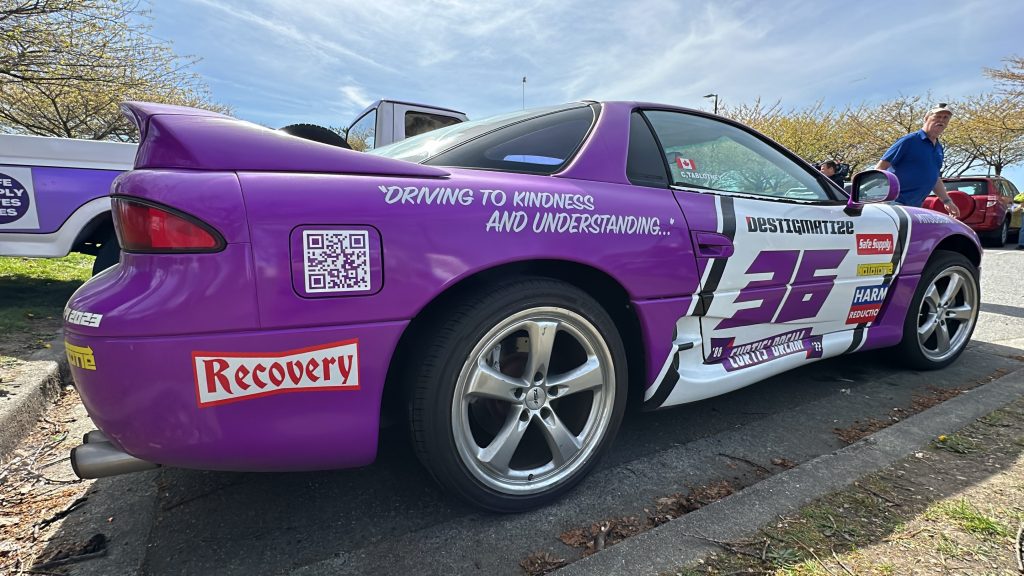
(194, 139)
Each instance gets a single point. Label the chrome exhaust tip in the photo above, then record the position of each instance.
(102, 459)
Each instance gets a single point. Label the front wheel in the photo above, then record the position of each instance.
(943, 313)
(519, 393)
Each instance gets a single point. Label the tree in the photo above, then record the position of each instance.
(66, 65)
(981, 130)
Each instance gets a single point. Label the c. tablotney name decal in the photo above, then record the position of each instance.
(223, 377)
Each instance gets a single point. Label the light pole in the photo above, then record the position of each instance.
(715, 96)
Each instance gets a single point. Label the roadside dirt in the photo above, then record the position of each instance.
(955, 507)
(38, 489)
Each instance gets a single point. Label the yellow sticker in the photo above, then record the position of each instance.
(80, 356)
(874, 269)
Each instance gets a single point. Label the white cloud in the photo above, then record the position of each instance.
(355, 95)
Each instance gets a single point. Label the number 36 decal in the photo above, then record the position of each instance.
(805, 299)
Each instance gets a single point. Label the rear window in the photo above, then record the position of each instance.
(969, 187)
(534, 142)
(539, 145)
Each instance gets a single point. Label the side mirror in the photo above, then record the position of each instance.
(870, 187)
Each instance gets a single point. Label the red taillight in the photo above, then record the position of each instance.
(144, 227)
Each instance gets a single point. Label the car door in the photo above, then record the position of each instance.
(781, 262)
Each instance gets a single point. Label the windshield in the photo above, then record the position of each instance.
(419, 148)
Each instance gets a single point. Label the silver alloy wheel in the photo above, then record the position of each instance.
(1004, 233)
(533, 400)
(948, 311)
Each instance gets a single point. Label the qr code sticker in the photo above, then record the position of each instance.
(336, 260)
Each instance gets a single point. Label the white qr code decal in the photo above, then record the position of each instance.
(336, 260)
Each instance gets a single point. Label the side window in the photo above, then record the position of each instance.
(539, 145)
(645, 165)
(710, 154)
(417, 123)
(362, 133)
(1004, 189)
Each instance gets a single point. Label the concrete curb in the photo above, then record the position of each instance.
(36, 387)
(683, 541)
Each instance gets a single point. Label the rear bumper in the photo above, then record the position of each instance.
(195, 402)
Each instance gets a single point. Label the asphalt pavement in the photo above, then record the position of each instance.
(391, 518)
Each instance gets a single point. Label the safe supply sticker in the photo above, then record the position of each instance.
(223, 377)
(17, 199)
(80, 356)
(867, 301)
(875, 244)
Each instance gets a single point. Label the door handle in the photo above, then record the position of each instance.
(712, 245)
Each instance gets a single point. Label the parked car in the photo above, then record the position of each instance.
(56, 190)
(504, 284)
(985, 204)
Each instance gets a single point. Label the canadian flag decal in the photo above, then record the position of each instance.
(685, 163)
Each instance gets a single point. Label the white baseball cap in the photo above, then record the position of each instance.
(940, 107)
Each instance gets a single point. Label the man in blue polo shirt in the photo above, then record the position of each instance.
(916, 159)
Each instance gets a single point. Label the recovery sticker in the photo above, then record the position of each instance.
(223, 377)
(867, 301)
(80, 356)
(17, 199)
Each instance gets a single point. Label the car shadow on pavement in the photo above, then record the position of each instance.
(391, 517)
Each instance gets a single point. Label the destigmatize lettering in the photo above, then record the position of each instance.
(764, 224)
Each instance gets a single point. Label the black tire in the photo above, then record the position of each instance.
(944, 310)
(316, 134)
(997, 238)
(494, 435)
(108, 255)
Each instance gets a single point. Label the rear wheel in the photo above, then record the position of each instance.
(943, 313)
(519, 394)
(997, 238)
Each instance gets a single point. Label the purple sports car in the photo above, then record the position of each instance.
(505, 284)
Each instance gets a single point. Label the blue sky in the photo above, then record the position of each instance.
(279, 62)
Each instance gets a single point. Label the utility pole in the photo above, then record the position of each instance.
(524, 92)
(715, 96)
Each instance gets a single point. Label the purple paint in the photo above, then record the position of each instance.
(184, 337)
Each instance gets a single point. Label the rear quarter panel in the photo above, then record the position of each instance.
(428, 246)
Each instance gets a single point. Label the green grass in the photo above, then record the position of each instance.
(37, 288)
(968, 517)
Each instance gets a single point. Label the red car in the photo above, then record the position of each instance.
(985, 205)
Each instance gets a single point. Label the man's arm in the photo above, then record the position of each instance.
(940, 191)
(883, 165)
